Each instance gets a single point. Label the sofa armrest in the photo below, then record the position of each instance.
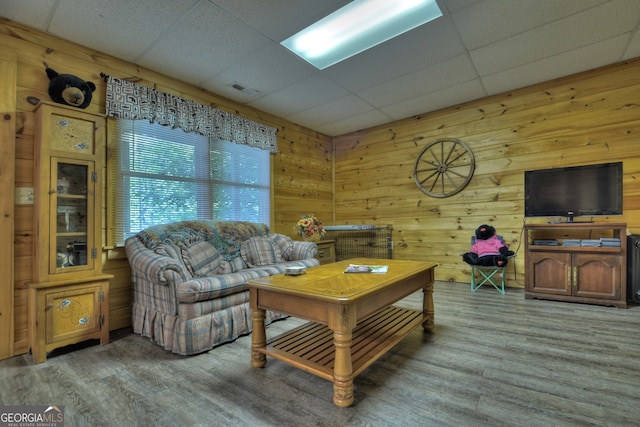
(155, 278)
(156, 268)
(303, 250)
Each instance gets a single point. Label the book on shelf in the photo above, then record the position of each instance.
(610, 242)
(360, 268)
(545, 242)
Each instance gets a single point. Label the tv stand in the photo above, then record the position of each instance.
(591, 275)
(570, 222)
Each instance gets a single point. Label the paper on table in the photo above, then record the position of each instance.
(359, 268)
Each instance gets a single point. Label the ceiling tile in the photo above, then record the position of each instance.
(354, 123)
(349, 105)
(449, 73)
(419, 48)
(279, 19)
(435, 100)
(492, 20)
(25, 12)
(454, 5)
(633, 49)
(203, 43)
(301, 96)
(117, 27)
(267, 70)
(587, 27)
(586, 58)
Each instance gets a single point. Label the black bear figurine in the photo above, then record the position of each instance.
(69, 90)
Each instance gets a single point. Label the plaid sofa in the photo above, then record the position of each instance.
(190, 277)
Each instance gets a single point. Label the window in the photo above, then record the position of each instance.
(165, 175)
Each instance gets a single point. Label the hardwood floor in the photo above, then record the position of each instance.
(492, 360)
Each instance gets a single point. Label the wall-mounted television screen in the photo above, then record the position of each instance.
(587, 190)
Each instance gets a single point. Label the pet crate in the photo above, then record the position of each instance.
(360, 241)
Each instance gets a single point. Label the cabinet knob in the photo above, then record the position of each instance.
(48, 307)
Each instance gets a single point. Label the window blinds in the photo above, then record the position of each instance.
(165, 175)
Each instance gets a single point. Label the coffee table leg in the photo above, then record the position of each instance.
(428, 311)
(258, 338)
(342, 369)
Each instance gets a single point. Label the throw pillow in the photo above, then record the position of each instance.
(259, 251)
(167, 248)
(232, 266)
(285, 243)
(201, 259)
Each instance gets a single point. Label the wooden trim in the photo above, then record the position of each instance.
(111, 239)
(8, 87)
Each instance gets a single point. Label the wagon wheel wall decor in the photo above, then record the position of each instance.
(444, 167)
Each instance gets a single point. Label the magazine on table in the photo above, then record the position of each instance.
(360, 268)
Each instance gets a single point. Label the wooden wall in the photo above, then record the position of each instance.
(302, 170)
(592, 117)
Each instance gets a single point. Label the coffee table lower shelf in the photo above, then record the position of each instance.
(310, 347)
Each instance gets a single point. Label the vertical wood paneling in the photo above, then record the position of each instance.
(592, 117)
(303, 178)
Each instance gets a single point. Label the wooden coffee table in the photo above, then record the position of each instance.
(352, 320)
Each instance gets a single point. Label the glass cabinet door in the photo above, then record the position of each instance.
(71, 242)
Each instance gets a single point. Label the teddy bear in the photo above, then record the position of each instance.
(488, 250)
(69, 90)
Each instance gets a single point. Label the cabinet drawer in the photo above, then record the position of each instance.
(326, 251)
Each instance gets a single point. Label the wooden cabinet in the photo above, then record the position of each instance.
(326, 251)
(69, 155)
(594, 275)
(66, 313)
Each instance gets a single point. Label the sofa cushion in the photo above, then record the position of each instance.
(207, 288)
(259, 251)
(285, 243)
(201, 259)
(232, 266)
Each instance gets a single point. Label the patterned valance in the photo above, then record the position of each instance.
(126, 100)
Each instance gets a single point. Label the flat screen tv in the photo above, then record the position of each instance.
(587, 190)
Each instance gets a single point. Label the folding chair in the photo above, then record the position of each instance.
(488, 275)
(493, 276)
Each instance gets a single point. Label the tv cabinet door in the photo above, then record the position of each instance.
(549, 273)
(597, 275)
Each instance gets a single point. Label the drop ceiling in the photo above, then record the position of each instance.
(476, 49)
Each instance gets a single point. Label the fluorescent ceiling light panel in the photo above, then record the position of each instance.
(358, 26)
